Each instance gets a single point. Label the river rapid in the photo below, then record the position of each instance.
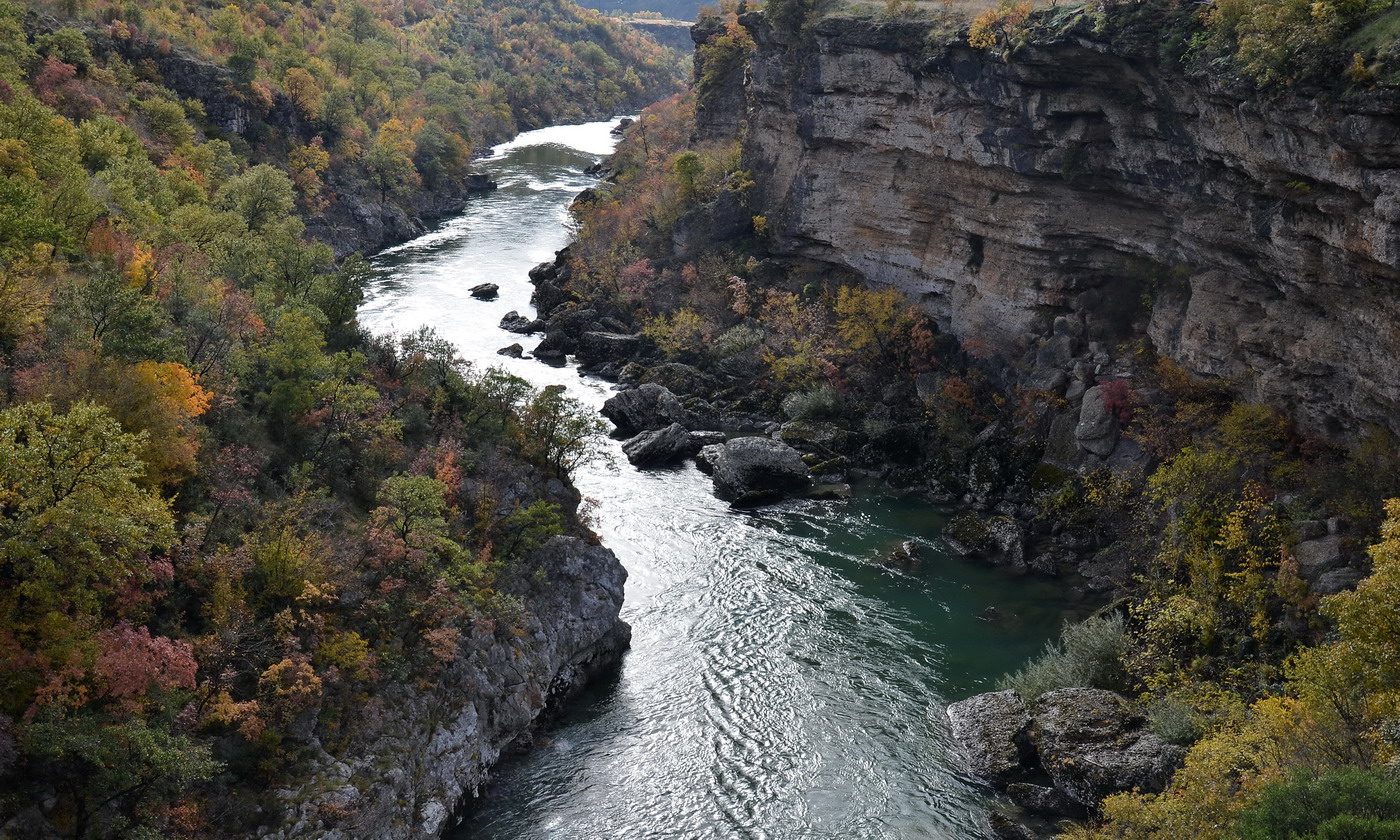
(782, 683)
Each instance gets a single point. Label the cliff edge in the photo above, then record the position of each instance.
(1083, 178)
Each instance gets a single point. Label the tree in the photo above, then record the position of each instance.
(75, 523)
(109, 773)
(560, 432)
(160, 401)
(261, 195)
(389, 162)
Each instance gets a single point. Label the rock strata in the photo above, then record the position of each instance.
(1080, 192)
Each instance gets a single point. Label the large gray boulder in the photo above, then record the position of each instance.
(607, 346)
(756, 470)
(1061, 755)
(1092, 744)
(660, 446)
(1097, 431)
(555, 345)
(644, 408)
(991, 731)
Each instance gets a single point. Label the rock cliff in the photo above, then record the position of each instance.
(419, 749)
(1060, 201)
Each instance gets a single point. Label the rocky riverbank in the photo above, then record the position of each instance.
(419, 751)
(672, 410)
(1062, 754)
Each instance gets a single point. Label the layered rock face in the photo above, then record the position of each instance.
(1251, 241)
(419, 748)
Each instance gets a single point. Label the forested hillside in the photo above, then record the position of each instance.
(227, 516)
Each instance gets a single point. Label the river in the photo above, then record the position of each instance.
(781, 683)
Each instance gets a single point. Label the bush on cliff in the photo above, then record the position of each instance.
(1088, 655)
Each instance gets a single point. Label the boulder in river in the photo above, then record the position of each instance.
(485, 291)
(644, 408)
(555, 346)
(992, 732)
(517, 323)
(757, 470)
(480, 182)
(660, 446)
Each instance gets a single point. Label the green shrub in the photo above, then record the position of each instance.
(819, 403)
(1348, 803)
(1088, 655)
(1174, 722)
(736, 340)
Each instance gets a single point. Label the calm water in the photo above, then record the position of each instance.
(781, 683)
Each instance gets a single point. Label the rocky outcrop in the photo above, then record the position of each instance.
(991, 730)
(719, 84)
(668, 33)
(606, 346)
(756, 470)
(1056, 200)
(1064, 753)
(1092, 744)
(419, 748)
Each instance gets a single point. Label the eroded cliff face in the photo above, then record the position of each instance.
(1077, 181)
(419, 750)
